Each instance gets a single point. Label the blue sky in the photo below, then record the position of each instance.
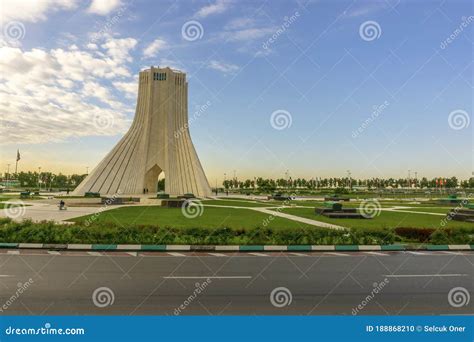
(379, 101)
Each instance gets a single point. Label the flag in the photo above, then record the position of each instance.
(18, 155)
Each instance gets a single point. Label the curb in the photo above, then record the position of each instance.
(236, 248)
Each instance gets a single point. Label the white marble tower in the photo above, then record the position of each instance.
(158, 141)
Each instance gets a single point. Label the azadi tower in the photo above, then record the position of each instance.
(158, 141)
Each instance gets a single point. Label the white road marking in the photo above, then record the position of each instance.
(259, 254)
(424, 275)
(208, 277)
(419, 253)
(94, 253)
(175, 254)
(376, 253)
(5, 275)
(13, 252)
(134, 254)
(336, 254)
(453, 253)
(54, 253)
(217, 254)
(298, 254)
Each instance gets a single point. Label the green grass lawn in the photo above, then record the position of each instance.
(386, 219)
(173, 217)
(238, 203)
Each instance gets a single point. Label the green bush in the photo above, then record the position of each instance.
(109, 233)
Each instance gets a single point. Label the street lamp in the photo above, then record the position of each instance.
(8, 175)
(39, 174)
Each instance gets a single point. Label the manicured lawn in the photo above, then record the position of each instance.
(386, 219)
(238, 203)
(173, 217)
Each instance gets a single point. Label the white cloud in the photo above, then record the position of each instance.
(248, 34)
(103, 7)
(156, 46)
(119, 49)
(33, 10)
(129, 88)
(53, 95)
(223, 67)
(219, 6)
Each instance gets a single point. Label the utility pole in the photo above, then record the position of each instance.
(39, 175)
(87, 170)
(8, 174)
(350, 178)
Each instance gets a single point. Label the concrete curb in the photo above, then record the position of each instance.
(236, 248)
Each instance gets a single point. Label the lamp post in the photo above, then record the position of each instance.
(8, 175)
(39, 175)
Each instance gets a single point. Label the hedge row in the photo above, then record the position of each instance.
(50, 232)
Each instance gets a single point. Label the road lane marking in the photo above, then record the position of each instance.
(54, 253)
(424, 275)
(336, 254)
(176, 254)
(420, 253)
(5, 276)
(208, 277)
(259, 254)
(299, 254)
(217, 254)
(134, 254)
(13, 252)
(376, 253)
(94, 253)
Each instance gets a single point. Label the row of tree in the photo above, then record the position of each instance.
(46, 180)
(372, 183)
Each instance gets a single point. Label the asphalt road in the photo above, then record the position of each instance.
(408, 283)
